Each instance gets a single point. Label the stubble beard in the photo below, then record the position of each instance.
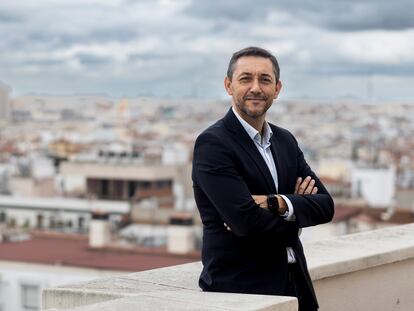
(254, 115)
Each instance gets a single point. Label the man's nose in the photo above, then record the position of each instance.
(255, 88)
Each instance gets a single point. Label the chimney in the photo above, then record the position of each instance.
(99, 230)
(181, 236)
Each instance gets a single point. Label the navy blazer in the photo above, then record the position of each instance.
(227, 170)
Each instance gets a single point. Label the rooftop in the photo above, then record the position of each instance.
(73, 250)
(373, 215)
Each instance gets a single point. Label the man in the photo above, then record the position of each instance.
(252, 177)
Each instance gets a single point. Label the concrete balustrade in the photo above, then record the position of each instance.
(366, 271)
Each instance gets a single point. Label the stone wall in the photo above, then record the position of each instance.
(365, 271)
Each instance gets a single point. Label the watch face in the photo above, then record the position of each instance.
(272, 203)
(275, 202)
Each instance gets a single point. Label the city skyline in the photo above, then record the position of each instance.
(181, 48)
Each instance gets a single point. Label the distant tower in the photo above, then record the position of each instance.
(4, 101)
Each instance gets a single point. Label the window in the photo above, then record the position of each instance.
(359, 189)
(104, 187)
(52, 222)
(39, 221)
(144, 184)
(132, 185)
(163, 184)
(81, 223)
(2, 216)
(30, 297)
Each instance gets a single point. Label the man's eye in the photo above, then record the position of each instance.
(245, 79)
(266, 80)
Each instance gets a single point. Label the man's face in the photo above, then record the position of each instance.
(253, 86)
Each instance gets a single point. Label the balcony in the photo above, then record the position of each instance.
(366, 271)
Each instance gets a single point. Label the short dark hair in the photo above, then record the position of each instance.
(253, 51)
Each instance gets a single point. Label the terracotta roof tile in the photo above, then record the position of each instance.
(58, 250)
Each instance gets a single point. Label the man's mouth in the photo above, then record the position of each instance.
(255, 98)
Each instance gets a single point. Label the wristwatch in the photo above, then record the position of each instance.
(273, 203)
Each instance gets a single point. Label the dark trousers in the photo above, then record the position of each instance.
(298, 287)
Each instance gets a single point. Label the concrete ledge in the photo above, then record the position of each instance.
(174, 278)
(359, 251)
(64, 298)
(191, 300)
(172, 288)
(362, 259)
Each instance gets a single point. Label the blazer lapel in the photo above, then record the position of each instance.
(275, 148)
(244, 140)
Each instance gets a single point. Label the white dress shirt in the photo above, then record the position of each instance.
(262, 144)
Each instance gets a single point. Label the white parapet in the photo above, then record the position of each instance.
(365, 271)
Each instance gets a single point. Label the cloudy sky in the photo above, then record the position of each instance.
(180, 48)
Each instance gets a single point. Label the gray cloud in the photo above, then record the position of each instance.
(340, 15)
(44, 63)
(114, 33)
(7, 17)
(88, 59)
(57, 39)
(181, 48)
(232, 10)
(339, 68)
(357, 15)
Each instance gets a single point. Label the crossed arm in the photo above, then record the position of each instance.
(216, 177)
(305, 186)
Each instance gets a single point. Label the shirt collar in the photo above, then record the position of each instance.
(253, 133)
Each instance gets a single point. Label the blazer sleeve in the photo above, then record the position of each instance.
(311, 209)
(214, 172)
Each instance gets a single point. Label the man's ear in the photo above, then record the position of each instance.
(278, 88)
(227, 86)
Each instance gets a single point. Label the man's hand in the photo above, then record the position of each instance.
(260, 200)
(307, 186)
